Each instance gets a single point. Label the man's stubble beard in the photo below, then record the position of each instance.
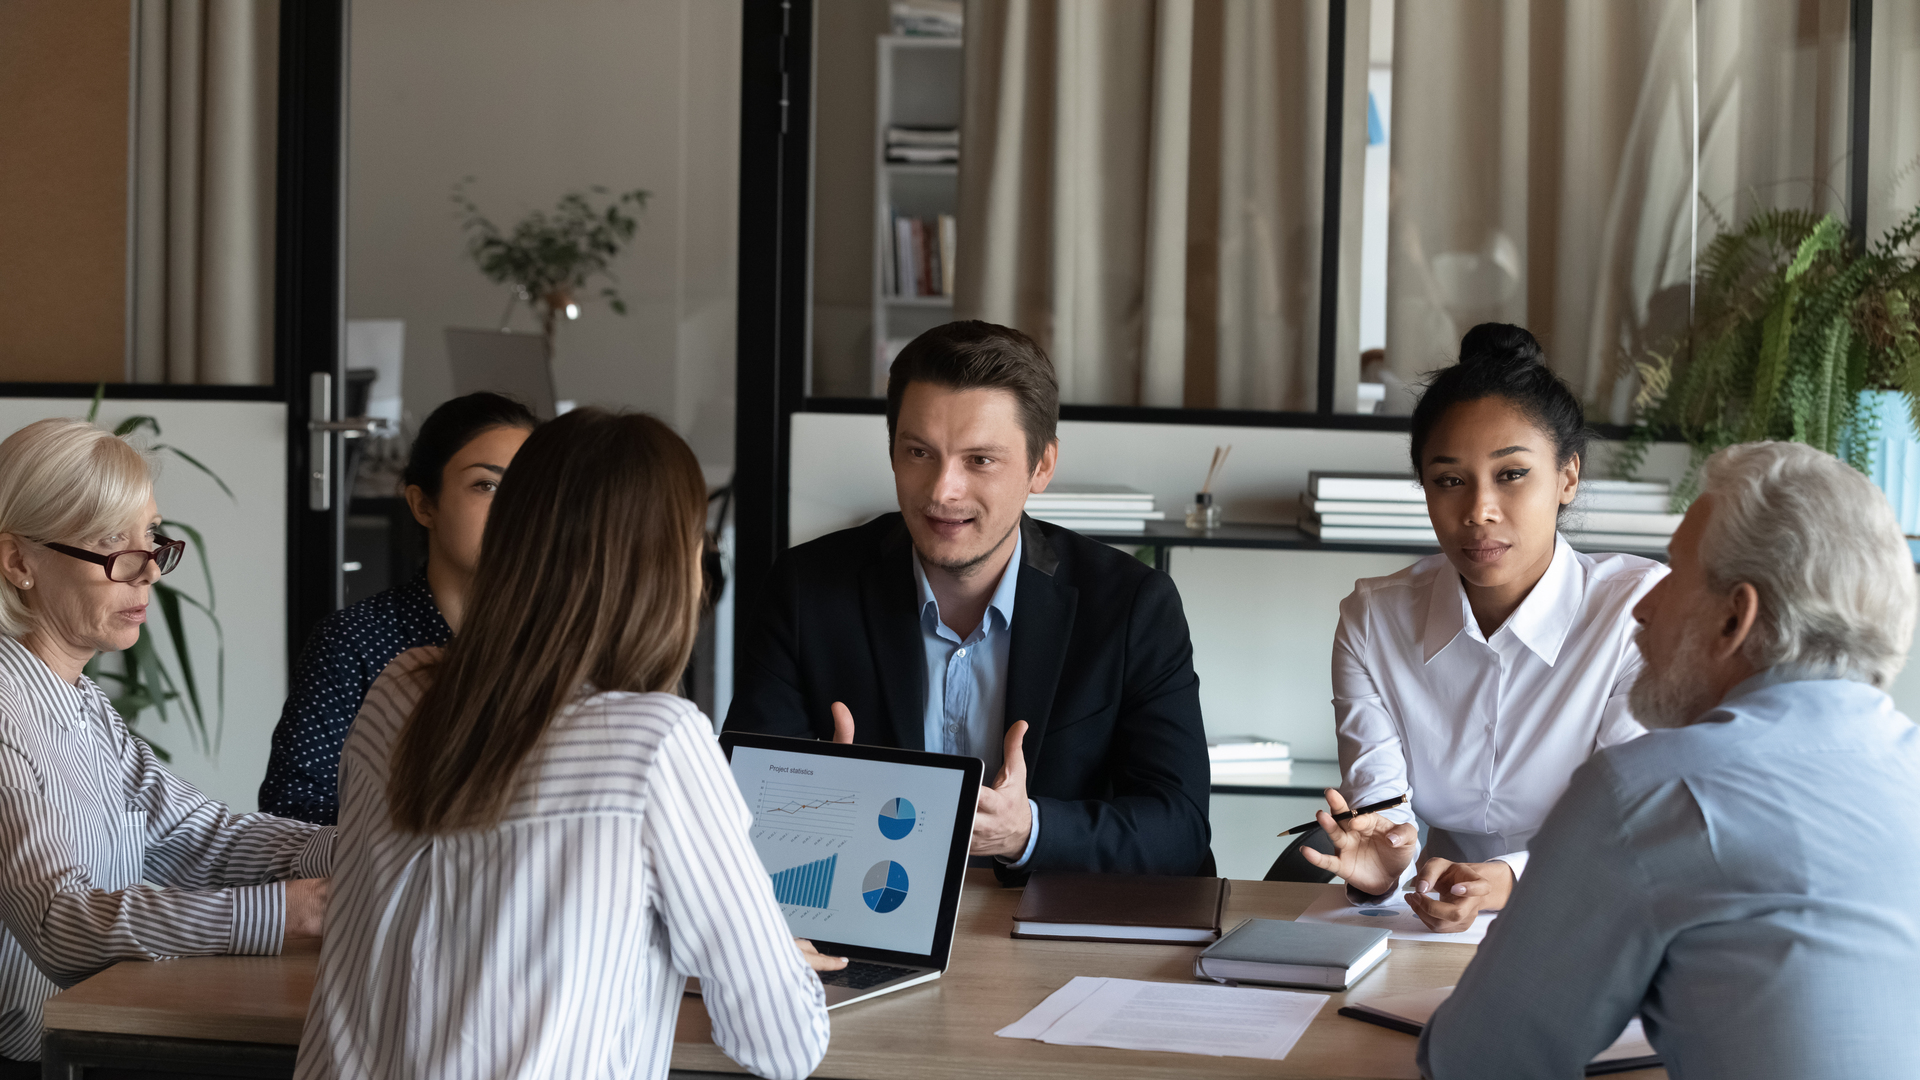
(968, 567)
(1669, 695)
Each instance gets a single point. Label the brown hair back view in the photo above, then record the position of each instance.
(589, 575)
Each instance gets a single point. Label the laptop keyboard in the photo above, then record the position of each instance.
(861, 974)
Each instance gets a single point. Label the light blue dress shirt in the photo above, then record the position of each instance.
(967, 680)
(1747, 884)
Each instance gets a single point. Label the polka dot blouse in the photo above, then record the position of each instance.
(336, 669)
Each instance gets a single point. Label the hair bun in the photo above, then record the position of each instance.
(1501, 346)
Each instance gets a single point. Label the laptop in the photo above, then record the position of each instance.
(867, 848)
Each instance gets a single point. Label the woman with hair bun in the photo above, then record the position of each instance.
(1478, 679)
(452, 471)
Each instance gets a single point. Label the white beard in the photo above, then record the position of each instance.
(1667, 693)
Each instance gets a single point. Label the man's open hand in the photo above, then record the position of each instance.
(1003, 820)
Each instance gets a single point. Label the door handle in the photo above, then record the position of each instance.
(321, 429)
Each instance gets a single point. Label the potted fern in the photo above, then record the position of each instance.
(1798, 335)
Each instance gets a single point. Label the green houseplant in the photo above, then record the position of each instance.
(144, 683)
(1791, 323)
(549, 257)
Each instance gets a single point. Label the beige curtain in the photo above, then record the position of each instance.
(1544, 165)
(1893, 162)
(1140, 189)
(205, 95)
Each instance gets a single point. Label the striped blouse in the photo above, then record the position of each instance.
(556, 944)
(107, 856)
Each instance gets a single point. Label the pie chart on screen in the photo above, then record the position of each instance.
(896, 819)
(885, 886)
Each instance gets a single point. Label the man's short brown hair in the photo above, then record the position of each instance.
(975, 355)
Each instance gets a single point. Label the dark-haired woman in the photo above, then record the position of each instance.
(452, 470)
(538, 841)
(1480, 678)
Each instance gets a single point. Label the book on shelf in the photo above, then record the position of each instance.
(1371, 487)
(1394, 521)
(908, 136)
(1422, 536)
(1247, 748)
(1625, 521)
(1606, 541)
(923, 155)
(1639, 503)
(919, 262)
(1357, 506)
(1628, 487)
(1127, 525)
(928, 18)
(1234, 770)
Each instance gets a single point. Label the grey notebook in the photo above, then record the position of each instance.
(1280, 952)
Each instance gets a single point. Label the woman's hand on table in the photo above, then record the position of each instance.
(307, 906)
(818, 960)
(1465, 889)
(1370, 851)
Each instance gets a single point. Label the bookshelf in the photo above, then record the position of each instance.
(1163, 536)
(918, 86)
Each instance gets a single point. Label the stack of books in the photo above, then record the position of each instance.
(1608, 515)
(928, 18)
(1621, 515)
(1248, 755)
(923, 146)
(919, 262)
(1371, 507)
(1095, 508)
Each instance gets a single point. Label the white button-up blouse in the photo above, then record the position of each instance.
(1484, 732)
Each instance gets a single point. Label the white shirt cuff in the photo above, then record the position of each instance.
(1515, 859)
(1033, 837)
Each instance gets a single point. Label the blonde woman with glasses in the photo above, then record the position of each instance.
(539, 842)
(104, 854)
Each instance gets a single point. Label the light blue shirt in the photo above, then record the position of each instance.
(967, 680)
(1747, 884)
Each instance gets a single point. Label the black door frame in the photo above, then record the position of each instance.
(309, 299)
(776, 206)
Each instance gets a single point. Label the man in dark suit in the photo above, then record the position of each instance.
(961, 625)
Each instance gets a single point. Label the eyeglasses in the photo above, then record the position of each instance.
(125, 566)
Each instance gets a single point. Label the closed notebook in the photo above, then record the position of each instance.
(1140, 908)
(1281, 952)
(1410, 1013)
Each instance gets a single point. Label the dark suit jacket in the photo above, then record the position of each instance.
(1100, 667)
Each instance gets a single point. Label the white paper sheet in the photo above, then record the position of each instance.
(1182, 1018)
(1058, 1004)
(1391, 914)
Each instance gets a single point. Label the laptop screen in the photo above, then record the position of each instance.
(860, 850)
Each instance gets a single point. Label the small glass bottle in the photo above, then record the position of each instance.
(1203, 515)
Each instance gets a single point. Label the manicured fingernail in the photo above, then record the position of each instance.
(1459, 890)
(1419, 885)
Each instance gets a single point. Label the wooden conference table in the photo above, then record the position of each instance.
(246, 1012)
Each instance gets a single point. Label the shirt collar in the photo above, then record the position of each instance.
(1003, 593)
(1541, 623)
(59, 700)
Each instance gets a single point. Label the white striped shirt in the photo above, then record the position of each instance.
(557, 943)
(107, 856)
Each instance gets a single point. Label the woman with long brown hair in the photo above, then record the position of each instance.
(538, 841)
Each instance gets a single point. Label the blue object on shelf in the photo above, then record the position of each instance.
(1893, 456)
